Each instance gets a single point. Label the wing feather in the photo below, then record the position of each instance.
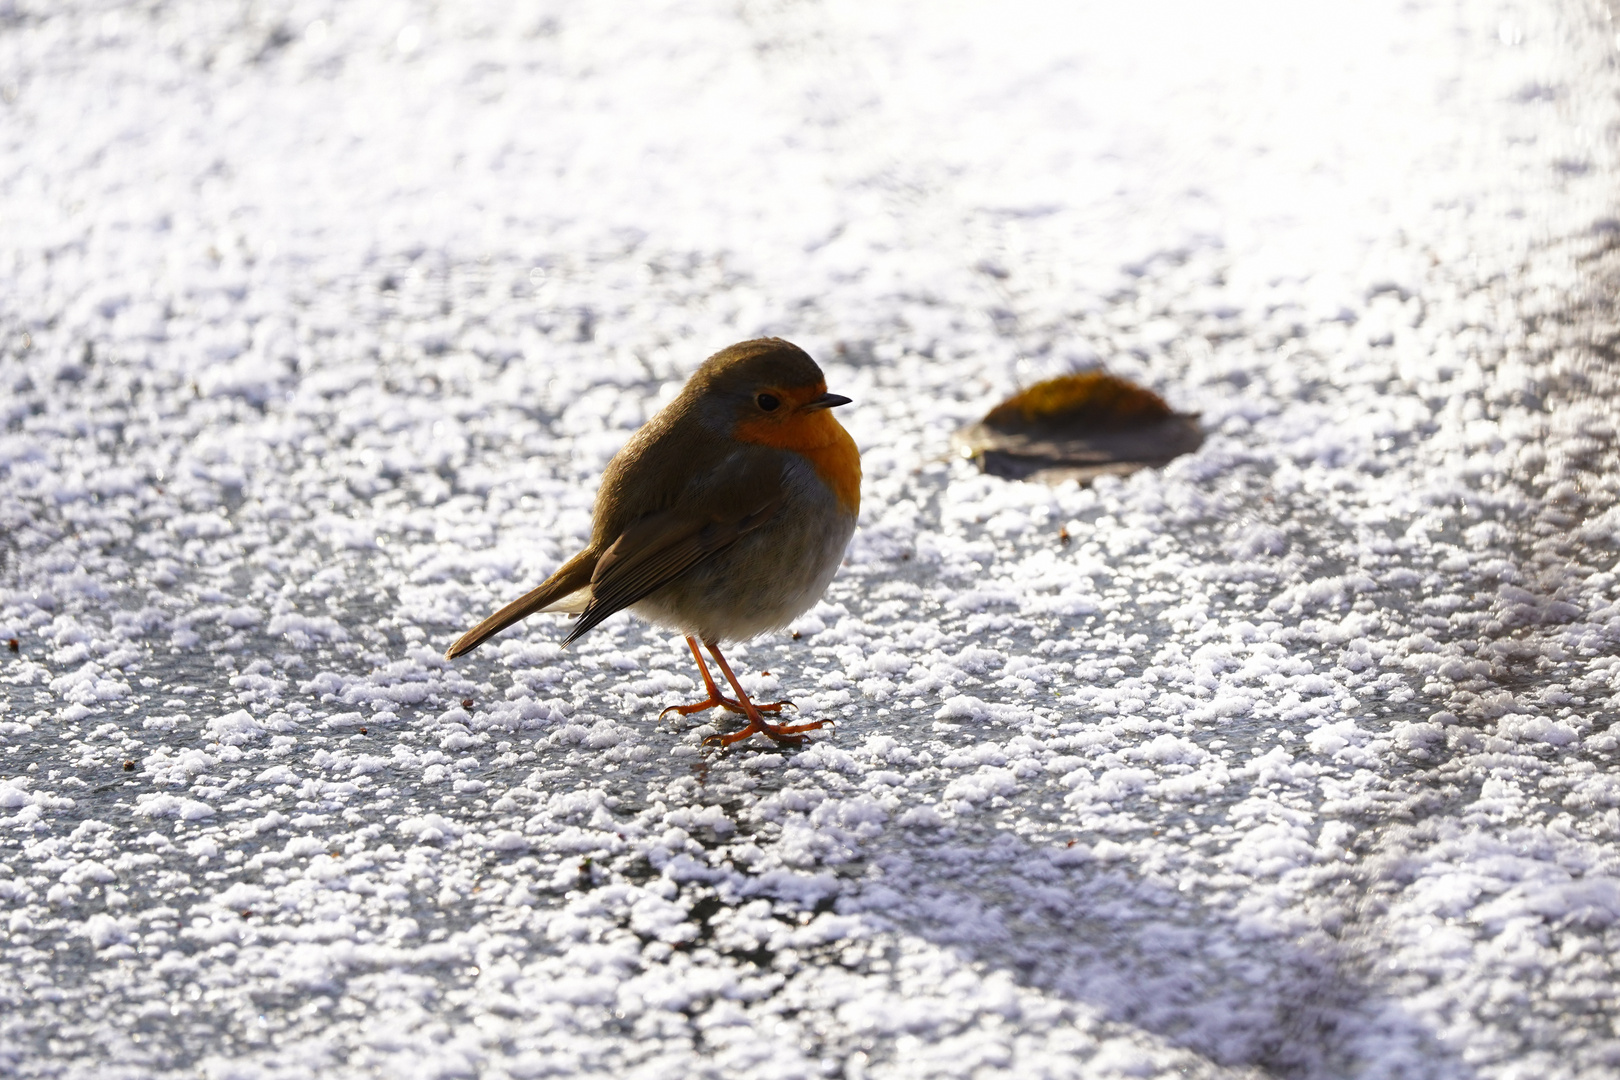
(658, 548)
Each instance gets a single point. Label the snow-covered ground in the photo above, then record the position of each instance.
(318, 322)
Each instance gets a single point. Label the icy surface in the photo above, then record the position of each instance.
(318, 322)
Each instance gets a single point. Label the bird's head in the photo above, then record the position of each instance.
(769, 392)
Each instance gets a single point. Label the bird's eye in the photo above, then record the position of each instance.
(768, 402)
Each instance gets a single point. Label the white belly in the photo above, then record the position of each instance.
(768, 578)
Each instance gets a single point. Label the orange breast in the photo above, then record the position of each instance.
(821, 439)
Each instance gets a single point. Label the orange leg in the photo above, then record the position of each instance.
(756, 723)
(715, 698)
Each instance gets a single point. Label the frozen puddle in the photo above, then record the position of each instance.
(1290, 759)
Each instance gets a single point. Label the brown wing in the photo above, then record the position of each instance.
(658, 548)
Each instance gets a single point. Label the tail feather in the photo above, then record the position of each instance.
(555, 592)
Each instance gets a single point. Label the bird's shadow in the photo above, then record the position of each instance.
(1205, 978)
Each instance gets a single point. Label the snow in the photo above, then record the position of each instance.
(318, 323)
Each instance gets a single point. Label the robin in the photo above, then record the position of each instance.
(724, 517)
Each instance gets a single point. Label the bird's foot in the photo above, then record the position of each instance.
(783, 734)
(716, 701)
(722, 702)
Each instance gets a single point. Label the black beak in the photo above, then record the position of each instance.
(825, 401)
